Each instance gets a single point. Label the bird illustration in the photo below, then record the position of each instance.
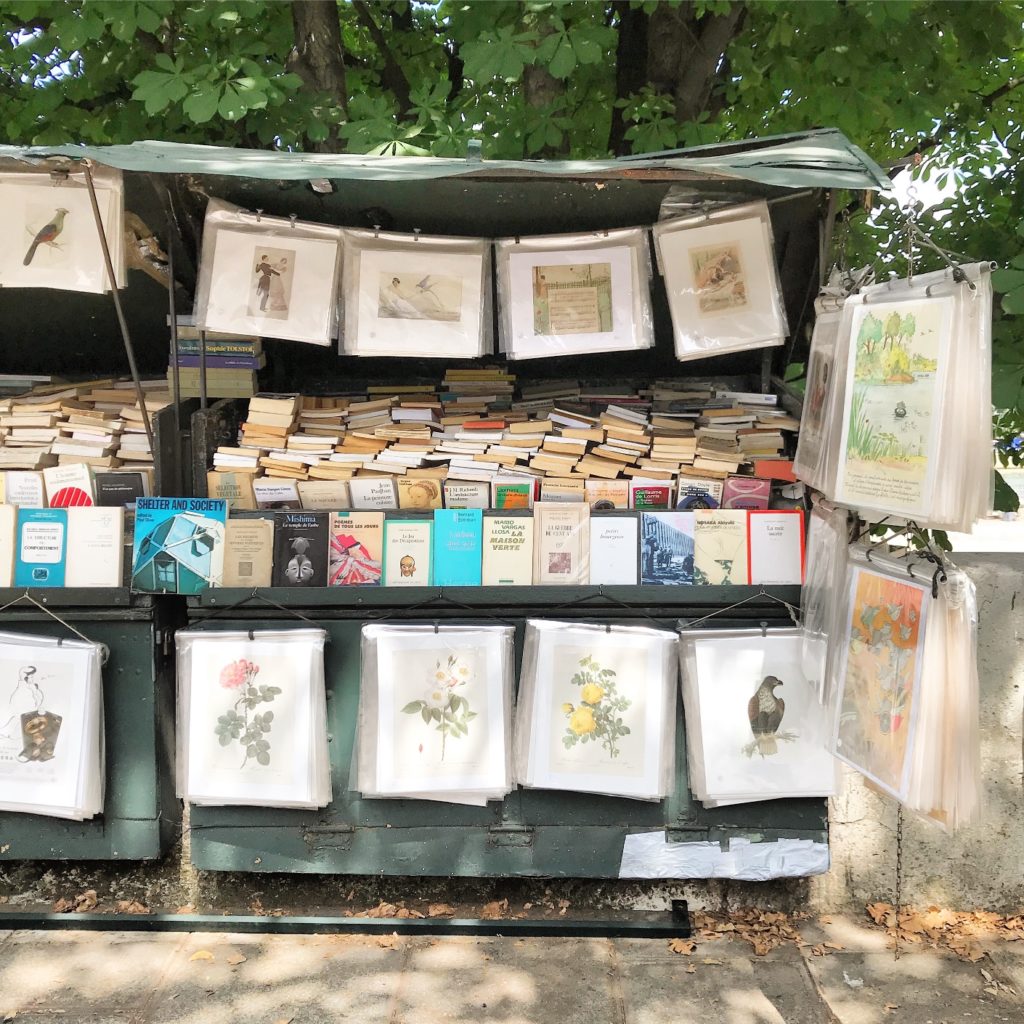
(46, 235)
(765, 712)
(901, 410)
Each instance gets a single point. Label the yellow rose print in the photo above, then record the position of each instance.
(582, 722)
(567, 709)
(592, 693)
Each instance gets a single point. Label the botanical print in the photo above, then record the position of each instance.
(599, 705)
(597, 718)
(718, 277)
(445, 707)
(898, 351)
(882, 671)
(45, 241)
(572, 299)
(249, 732)
(404, 296)
(272, 277)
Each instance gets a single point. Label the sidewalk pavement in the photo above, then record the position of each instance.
(216, 978)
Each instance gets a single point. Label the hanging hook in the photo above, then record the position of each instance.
(293, 217)
(259, 214)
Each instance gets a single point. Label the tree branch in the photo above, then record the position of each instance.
(393, 77)
(700, 73)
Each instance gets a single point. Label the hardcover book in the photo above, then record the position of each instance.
(467, 494)
(95, 547)
(118, 489)
(274, 494)
(776, 547)
(41, 547)
(248, 552)
(69, 486)
(602, 495)
(615, 548)
(695, 493)
(508, 550)
(561, 552)
(235, 488)
(407, 551)
(419, 493)
(301, 547)
(357, 549)
(512, 495)
(373, 492)
(324, 495)
(646, 495)
(746, 492)
(179, 545)
(666, 548)
(720, 547)
(458, 547)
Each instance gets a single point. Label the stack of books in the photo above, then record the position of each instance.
(672, 443)
(233, 362)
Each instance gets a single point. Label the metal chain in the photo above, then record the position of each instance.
(899, 879)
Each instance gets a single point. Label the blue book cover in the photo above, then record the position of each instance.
(179, 545)
(42, 547)
(458, 547)
(666, 547)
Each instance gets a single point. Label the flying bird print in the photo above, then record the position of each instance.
(765, 711)
(46, 235)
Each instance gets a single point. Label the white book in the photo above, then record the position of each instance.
(8, 533)
(507, 551)
(324, 494)
(370, 492)
(776, 547)
(25, 488)
(68, 486)
(95, 547)
(615, 549)
(275, 493)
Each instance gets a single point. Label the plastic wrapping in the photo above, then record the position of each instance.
(424, 296)
(268, 276)
(561, 543)
(907, 700)
(909, 427)
(754, 727)
(596, 711)
(51, 726)
(824, 591)
(721, 280)
(49, 231)
(252, 718)
(435, 713)
(576, 294)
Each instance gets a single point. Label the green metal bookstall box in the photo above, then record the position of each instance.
(530, 832)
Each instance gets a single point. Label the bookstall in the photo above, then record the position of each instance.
(528, 815)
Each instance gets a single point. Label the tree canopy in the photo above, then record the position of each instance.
(935, 85)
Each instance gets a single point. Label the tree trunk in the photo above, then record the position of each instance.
(318, 58)
(543, 91)
(630, 68)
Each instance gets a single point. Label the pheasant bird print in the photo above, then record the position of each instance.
(47, 234)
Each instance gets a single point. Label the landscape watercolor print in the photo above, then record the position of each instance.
(897, 364)
(878, 696)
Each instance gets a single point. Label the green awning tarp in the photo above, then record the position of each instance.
(815, 159)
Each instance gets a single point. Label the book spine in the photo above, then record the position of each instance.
(190, 347)
(227, 362)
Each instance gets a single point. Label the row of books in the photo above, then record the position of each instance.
(74, 485)
(96, 423)
(187, 545)
(233, 362)
(476, 427)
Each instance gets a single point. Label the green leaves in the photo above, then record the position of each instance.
(502, 55)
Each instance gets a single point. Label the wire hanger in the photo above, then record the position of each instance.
(104, 650)
(441, 598)
(257, 596)
(601, 595)
(794, 613)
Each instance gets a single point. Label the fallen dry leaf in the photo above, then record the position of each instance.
(201, 954)
(86, 901)
(387, 941)
(691, 968)
(381, 910)
(10, 1016)
(833, 945)
(890, 1007)
(186, 909)
(405, 914)
(711, 962)
(440, 910)
(236, 958)
(682, 946)
(63, 906)
(494, 909)
(131, 907)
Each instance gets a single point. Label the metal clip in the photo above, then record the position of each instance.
(416, 234)
(293, 217)
(376, 231)
(259, 215)
(764, 630)
(58, 176)
(436, 627)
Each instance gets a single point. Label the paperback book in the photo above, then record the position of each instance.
(301, 546)
(179, 545)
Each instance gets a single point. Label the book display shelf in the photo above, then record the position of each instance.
(530, 832)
